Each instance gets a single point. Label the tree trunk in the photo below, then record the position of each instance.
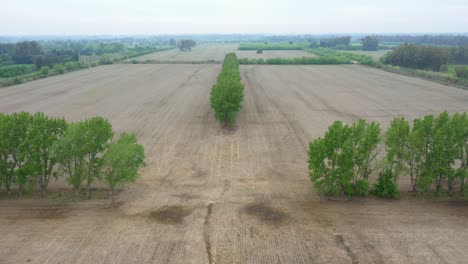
(438, 183)
(43, 191)
(111, 194)
(413, 181)
(88, 190)
(450, 186)
(20, 190)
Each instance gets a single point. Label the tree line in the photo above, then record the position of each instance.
(452, 40)
(433, 152)
(423, 57)
(228, 93)
(35, 148)
(333, 42)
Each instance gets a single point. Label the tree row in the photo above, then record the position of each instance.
(432, 153)
(228, 93)
(34, 149)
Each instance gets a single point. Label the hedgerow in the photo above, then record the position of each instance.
(228, 93)
(433, 154)
(34, 149)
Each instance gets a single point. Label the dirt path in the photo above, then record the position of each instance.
(207, 197)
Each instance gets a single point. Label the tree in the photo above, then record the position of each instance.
(172, 42)
(228, 93)
(97, 137)
(187, 44)
(25, 52)
(71, 152)
(333, 42)
(370, 43)
(340, 162)
(421, 141)
(121, 161)
(396, 144)
(13, 132)
(444, 153)
(460, 128)
(418, 57)
(44, 134)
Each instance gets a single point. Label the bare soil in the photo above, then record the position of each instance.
(268, 54)
(207, 196)
(203, 52)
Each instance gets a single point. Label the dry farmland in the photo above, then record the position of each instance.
(268, 54)
(203, 52)
(245, 197)
(216, 53)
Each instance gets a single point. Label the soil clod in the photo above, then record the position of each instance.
(171, 214)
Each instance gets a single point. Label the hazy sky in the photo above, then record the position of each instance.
(90, 17)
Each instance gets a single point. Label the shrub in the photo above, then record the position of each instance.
(72, 66)
(385, 186)
(461, 71)
(59, 69)
(45, 70)
(16, 70)
(105, 60)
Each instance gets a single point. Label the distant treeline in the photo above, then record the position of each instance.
(453, 40)
(333, 42)
(426, 57)
(51, 53)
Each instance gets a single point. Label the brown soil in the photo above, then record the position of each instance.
(242, 197)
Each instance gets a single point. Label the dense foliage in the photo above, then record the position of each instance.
(36, 148)
(432, 153)
(187, 44)
(418, 57)
(370, 43)
(461, 71)
(333, 42)
(340, 162)
(228, 93)
(453, 40)
(15, 70)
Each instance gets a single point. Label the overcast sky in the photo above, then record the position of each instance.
(91, 17)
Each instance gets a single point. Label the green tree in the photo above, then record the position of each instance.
(444, 152)
(422, 141)
(13, 132)
(44, 134)
(370, 43)
(340, 162)
(71, 153)
(97, 137)
(331, 161)
(187, 44)
(228, 93)
(460, 127)
(121, 161)
(397, 145)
